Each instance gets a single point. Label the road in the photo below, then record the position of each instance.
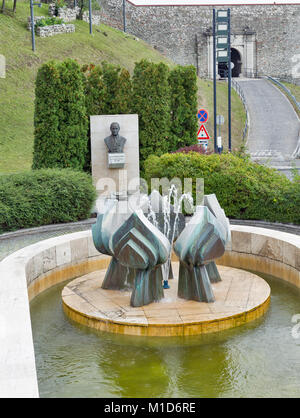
(274, 125)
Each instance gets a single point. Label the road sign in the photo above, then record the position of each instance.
(203, 142)
(222, 55)
(222, 28)
(202, 133)
(202, 115)
(220, 120)
(222, 15)
(222, 42)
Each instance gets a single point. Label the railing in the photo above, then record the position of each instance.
(240, 92)
(291, 96)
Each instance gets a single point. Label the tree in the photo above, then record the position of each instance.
(108, 91)
(60, 118)
(151, 101)
(14, 6)
(84, 6)
(183, 85)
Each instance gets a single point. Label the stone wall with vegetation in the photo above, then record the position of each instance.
(45, 31)
(173, 29)
(69, 14)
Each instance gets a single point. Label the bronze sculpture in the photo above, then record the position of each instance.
(115, 142)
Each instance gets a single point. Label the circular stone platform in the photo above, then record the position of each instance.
(240, 297)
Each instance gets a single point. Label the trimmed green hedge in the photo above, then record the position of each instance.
(245, 190)
(42, 197)
(151, 101)
(60, 119)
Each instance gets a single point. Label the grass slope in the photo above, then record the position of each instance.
(17, 89)
(238, 115)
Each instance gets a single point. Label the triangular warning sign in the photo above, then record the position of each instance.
(202, 133)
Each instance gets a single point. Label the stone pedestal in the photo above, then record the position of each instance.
(115, 176)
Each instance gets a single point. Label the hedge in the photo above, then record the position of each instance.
(107, 92)
(42, 197)
(245, 190)
(183, 94)
(151, 101)
(60, 119)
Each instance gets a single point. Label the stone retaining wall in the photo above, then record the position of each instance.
(45, 31)
(27, 272)
(173, 31)
(65, 13)
(69, 14)
(35, 19)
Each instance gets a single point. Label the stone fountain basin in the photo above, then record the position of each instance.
(31, 270)
(240, 297)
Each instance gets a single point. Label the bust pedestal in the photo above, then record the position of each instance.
(115, 174)
(116, 160)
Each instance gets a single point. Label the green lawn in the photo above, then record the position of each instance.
(294, 89)
(106, 43)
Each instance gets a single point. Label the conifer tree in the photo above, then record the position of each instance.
(183, 86)
(151, 101)
(60, 119)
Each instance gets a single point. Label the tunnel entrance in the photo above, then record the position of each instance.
(243, 54)
(236, 65)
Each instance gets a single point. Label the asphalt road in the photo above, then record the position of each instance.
(274, 125)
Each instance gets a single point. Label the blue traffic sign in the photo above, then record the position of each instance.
(202, 115)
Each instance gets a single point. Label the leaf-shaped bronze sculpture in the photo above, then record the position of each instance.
(140, 245)
(202, 240)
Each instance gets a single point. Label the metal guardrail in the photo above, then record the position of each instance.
(288, 92)
(240, 92)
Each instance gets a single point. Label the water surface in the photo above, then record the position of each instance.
(260, 359)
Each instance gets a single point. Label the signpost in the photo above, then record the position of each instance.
(32, 23)
(215, 79)
(202, 115)
(220, 121)
(202, 133)
(222, 53)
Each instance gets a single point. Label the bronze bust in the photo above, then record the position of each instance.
(115, 142)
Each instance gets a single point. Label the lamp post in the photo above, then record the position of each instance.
(32, 22)
(124, 15)
(90, 16)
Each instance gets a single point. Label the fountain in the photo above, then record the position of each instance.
(149, 245)
(162, 278)
(148, 272)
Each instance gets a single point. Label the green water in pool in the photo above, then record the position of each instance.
(259, 359)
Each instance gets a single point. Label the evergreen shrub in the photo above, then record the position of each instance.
(151, 101)
(245, 190)
(42, 197)
(183, 93)
(60, 119)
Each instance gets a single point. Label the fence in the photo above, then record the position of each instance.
(240, 92)
(291, 96)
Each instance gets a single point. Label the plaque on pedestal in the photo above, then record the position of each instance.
(116, 160)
